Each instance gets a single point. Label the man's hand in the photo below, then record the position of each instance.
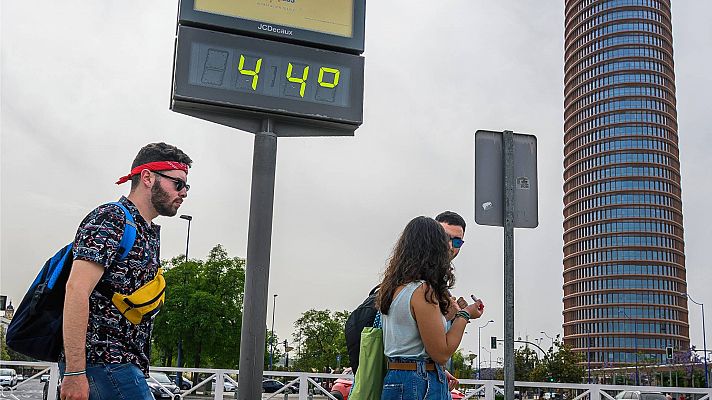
(452, 382)
(74, 388)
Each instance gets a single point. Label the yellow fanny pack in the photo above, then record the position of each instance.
(144, 302)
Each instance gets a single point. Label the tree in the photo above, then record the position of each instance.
(462, 365)
(525, 360)
(203, 306)
(4, 355)
(277, 353)
(320, 334)
(564, 365)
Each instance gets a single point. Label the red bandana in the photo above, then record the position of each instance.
(154, 166)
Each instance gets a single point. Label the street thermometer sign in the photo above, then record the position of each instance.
(290, 61)
(274, 68)
(331, 24)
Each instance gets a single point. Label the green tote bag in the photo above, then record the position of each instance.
(372, 364)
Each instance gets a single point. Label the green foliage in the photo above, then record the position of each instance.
(564, 364)
(277, 352)
(525, 360)
(462, 365)
(320, 334)
(4, 355)
(203, 306)
(560, 364)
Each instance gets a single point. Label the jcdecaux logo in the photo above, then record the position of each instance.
(270, 28)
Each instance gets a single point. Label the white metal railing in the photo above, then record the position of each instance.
(574, 391)
(307, 386)
(44, 367)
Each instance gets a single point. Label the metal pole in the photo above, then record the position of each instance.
(179, 360)
(635, 340)
(588, 353)
(479, 350)
(704, 338)
(552, 340)
(704, 343)
(508, 156)
(490, 361)
(259, 242)
(479, 345)
(271, 341)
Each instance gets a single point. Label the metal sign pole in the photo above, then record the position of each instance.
(508, 157)
(259, 240)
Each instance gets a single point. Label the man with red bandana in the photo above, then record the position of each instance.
(105, 355)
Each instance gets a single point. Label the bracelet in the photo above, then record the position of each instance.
(464, 315)
(76, 373)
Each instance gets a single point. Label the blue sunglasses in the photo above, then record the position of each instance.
(457, 242)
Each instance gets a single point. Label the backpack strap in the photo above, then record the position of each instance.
(129, 236)
(127, 241)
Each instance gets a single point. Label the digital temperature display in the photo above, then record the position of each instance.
(234, 71)
(268, 74)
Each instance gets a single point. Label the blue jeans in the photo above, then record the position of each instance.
(415, 385)
(115, 381)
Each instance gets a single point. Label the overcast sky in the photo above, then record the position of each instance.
(85, 84)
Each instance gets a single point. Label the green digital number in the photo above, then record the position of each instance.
(334, 71)
(302, 81)
(253, 73)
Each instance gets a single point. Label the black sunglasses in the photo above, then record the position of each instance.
(457, 242)
(180, 184)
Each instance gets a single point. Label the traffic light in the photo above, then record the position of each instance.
(493, 342)
(668, 351)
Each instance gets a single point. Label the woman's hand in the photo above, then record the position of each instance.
(452, 382)
(475, 309)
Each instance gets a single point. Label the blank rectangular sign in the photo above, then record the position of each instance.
(489, 180)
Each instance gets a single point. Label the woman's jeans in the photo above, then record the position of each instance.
(115, 381)
(415, 385)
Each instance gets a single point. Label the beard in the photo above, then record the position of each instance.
(161, 201)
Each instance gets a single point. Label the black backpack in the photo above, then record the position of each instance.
(361, 317)
(36, 328)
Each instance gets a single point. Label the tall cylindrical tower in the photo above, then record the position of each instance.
(624, 260)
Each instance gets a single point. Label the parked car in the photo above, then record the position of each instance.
(273, 385)
(638, 395)
(161, 386)
(227, 386)
(185, 384)
(44, 378)
(342, 387)
(8, 377)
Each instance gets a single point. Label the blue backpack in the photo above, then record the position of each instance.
(36, 328)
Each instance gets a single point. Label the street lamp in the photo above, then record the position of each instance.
(588, 352)
(704, 338)
(490, 359)
(271, 342)
(179, 360)
(552, 339)
(635, 341)
(479, 344)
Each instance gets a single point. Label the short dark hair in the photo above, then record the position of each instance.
(451, 218)
(158, 152)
